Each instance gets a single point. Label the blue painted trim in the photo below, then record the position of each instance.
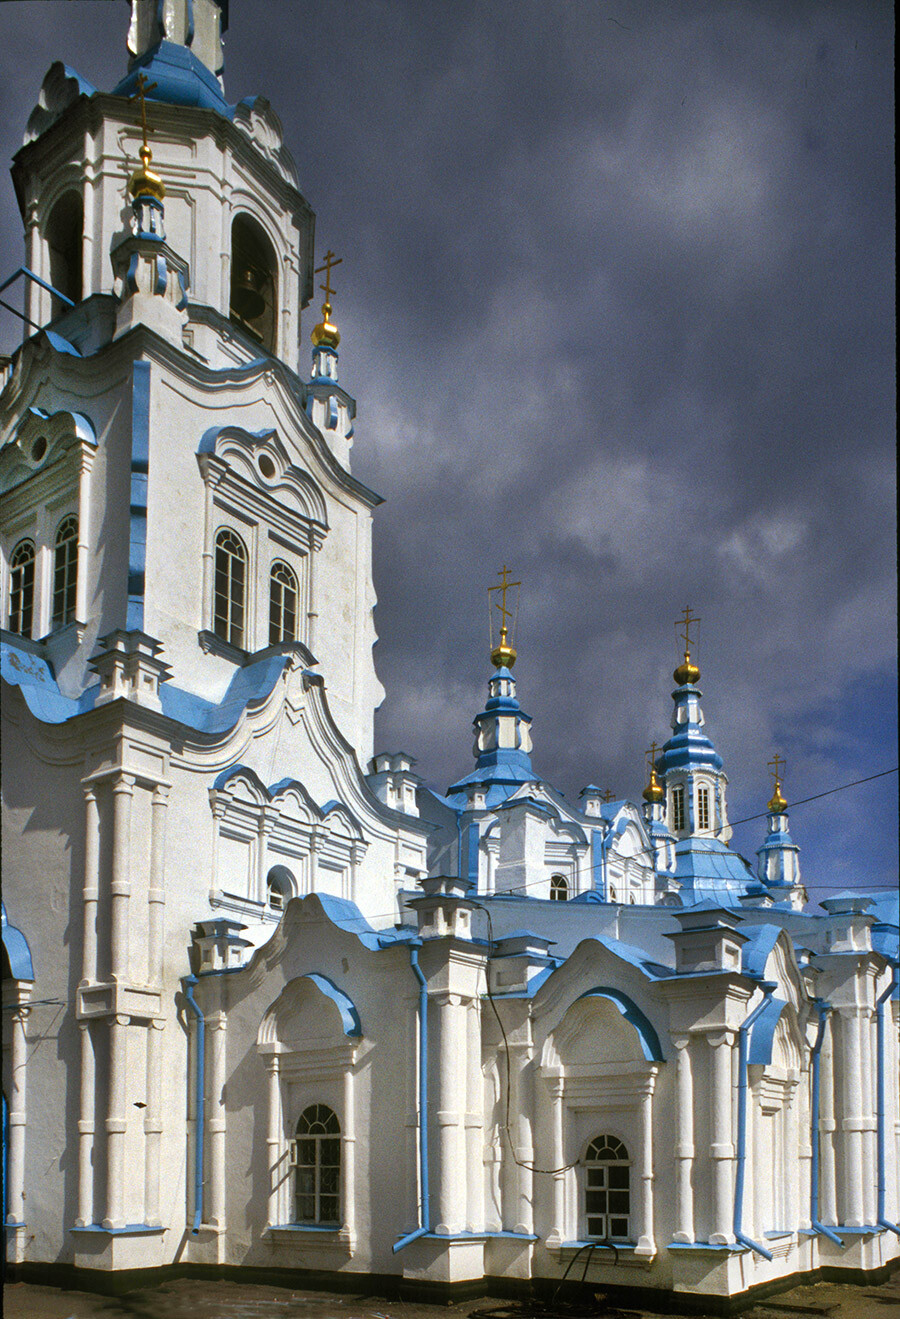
(883, 1221)
(15, 945)
(768, 987)
(129, 1230)
(762, 1032)
(344, 1004)
(424, 1228)
(647, 1035)
(189, 35)
(473, 836)
(823, 1009)
(140, 464)
(36, 279)
(188, 983)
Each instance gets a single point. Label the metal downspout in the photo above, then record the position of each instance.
(769, 987)
(823, 1010)
(882, 1221)
(424, 1217)
(189, 982)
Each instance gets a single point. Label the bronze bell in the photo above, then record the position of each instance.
(246, 299)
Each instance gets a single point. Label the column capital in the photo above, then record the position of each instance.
(123, 783)
(716, 1039)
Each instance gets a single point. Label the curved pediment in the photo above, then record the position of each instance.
(308, 1012)
(255, 117)
(39, 440)
(260, 459)
(61, 87)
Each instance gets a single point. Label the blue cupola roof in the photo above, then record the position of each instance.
(180, 77)
(502, 743)
(689, 747)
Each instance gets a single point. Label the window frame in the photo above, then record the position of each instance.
(278, 607)
(22, 589)
(331, 1135)
(602, 1187)
(703, 807)
(230, 632)
(679, 817)
(559, 888)
(65, 570)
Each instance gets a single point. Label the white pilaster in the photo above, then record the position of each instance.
(684, 1148)
(91, 890)
(721, 1149)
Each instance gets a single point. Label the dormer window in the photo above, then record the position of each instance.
(678, 808)
(559, 888)
(65, 572)
(254, 281)
(21, 588)
(65, 234)
(229, 603)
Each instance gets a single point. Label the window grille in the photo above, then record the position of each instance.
(607, 1190)
(316, 1157)
(65, 572)
(282, 604)
(230, 587)
(678, 808)
(21, 588)
(559, 888)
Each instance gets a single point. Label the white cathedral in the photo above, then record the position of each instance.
(270, 1004)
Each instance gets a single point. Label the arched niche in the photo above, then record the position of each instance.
(254, 281)
(64, 233)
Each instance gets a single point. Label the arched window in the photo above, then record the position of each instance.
(607, 1190)
(65, 572)
(282, 604)
(230, 589)
(559, 888)
(613, 896)
(279, 887)
(21, 588)
(678, 808)
(703, 808)
(316, 1156)
(254, 282)
(65, 232)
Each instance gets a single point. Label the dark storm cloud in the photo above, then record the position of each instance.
(617, 306)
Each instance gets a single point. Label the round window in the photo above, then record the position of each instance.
(266, 466)
(38, 449)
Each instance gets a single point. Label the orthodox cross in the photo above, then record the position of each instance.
(686, 622)
(330, 261)
(143, 86)
(652, 754)
(607, 795)
(504, 586)
(776, 766)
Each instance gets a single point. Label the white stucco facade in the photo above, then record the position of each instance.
(269, 1001)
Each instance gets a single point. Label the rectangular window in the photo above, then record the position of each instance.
(703, 808)
(678, 808)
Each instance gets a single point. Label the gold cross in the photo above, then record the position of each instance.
(143, 86)
(652, 754)
(607, 795)
(330, 261)
(504, 586)
(686, 622)
(777, 766)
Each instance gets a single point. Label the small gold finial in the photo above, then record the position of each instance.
(143, 181)
(654, 790)
(607, 795)
(777, 803)
(326, 335)
(503, 655)
(686, 672)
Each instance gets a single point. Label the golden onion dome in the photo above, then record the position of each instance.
(686, 672)
(326, 335)
(143, 181)
(654, 790)
(503, 656)
(777, 804)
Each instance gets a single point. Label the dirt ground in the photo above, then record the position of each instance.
(192, 1299)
